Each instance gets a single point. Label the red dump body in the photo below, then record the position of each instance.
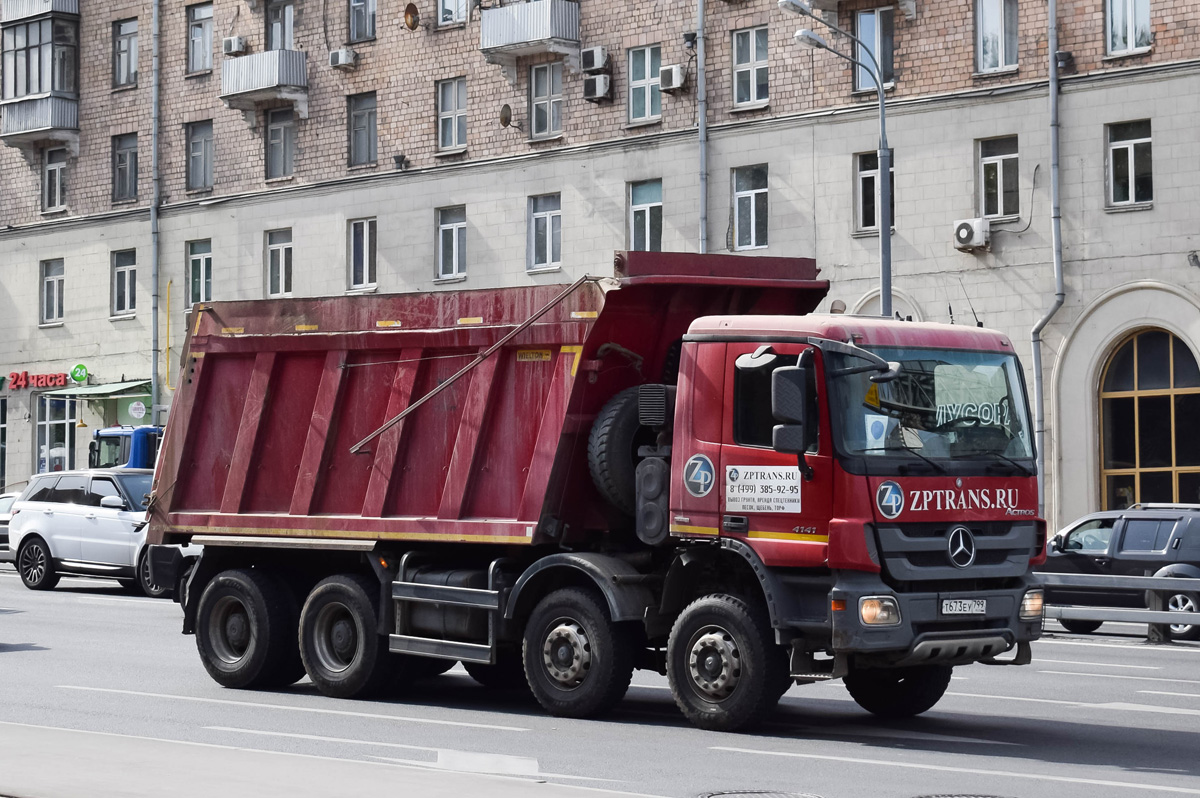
(273, 394)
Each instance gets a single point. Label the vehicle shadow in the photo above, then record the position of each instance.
(6, 647)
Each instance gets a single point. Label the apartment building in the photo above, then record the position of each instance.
(379, 145)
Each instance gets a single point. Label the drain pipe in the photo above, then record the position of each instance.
(702, 125)
(1039, 397)
(155, 202)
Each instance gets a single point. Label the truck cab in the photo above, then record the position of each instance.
(124, 447)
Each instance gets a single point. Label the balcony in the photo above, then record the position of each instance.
(250, 80)
(523, 29)
(34, 122)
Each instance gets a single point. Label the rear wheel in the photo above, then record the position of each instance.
(1184, 602)
(343, 652)
(246, 629)
(1080, 627)
(35, 565)
(898, 692)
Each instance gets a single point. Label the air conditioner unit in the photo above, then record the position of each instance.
(343, 59)
(594, 59)
(670, 78)
(972, 234)
(233, 45)
(597, 87)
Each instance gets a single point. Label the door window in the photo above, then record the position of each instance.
(70, 490)
(1146, 535)
(100, 489)
(1092, 536)
(752, 419)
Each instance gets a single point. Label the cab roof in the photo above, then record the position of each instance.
(861, 330)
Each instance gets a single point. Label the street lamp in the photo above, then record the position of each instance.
(806, 38)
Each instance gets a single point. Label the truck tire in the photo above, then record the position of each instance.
(343, 654)
(612, 450)
(898, 692)
(508, 673)
(578, 662)
(35, 564)
(246, 629)
(1076, 626)
(725, 670)
(1183, 602)
(416, 668)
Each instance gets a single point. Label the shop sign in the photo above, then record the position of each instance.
(23, 379)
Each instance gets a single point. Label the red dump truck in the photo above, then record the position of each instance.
(674, 469)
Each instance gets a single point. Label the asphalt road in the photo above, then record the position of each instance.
(101, 696)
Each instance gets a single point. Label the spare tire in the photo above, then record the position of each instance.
(612, 450)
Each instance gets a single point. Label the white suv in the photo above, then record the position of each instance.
(91, 523)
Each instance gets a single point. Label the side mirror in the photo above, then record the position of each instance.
(1054, 544)
(789, 405)
(112, 502)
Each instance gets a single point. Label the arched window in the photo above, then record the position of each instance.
(1150, 422)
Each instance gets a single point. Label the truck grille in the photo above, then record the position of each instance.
(920, 552)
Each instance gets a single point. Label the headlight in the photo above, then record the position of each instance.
(879, 611)
(1031, 605)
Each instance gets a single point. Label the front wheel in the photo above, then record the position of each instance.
(1079, 627)
(343, 652)
(144, 582)
(898, 692)
(577, 661)
(35, 565)
(1184, 602)
(725, 670)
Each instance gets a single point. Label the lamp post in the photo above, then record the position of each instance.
(806, 38)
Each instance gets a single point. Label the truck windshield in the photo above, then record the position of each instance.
(107, 453)
(943, 405)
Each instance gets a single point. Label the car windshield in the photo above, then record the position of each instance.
(944, 404)
(6, 503)
(137, 486)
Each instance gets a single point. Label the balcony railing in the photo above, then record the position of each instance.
(248, 80)
(13, 10)
(521, 29)
(39, 120)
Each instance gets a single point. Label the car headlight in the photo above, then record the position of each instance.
(879, 610)
(1032, 604)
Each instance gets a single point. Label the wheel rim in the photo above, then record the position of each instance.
(33, 563)
(567, 653)
(1181, 602)
(230, 630)
(714, 663)
(335, 638)
(144, 572)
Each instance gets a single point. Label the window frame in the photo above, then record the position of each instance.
(44, 427)
(457, 228)
(999, 162)
(362, 13)
(368, 229)
(202, 263)
(752, 196)
(362, 115)
(550, 101)
(456, 115)
(758, 61)
(199, 46)
(125, 167)
(52, 288)
(1007, 39)
(647, 223)
(886, 58)
(550, 217)
(1129, 145)
(279, 255)
(56, 57)
(861, 194)
(124, 53)
(1130, 9)
(286, 144)
(458, 14)
(651, 84)
(280, 34)
(123, 282)
(54, 176)
(205, 156)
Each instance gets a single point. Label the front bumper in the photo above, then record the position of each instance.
(924, 635)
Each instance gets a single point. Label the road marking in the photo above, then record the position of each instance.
(1022, 698)
(1157, 649)
(1117, 705)
(972, 771)
(319, 738)
(1122, 676)
(315, 710)
(1163, 692)
(1101, 664)
(146, 602)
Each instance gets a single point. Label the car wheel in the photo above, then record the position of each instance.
(1184, 602)
(35, 565)
(143, 571)
(898, 692)
(1079, 627)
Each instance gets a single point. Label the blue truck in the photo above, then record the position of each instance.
(124, 447)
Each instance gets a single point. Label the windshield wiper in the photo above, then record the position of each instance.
(908, 449)
(1024, 468)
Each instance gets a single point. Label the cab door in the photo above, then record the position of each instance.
(765, 497)
(695, 461)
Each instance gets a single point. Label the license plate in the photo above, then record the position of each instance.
(964, 606)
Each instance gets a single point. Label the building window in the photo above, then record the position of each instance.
(52, 291)
(200, 267)
(867, 187)
(39, 57)
(998, 177)
(54, 183)
(362, 20)
(280, 26)
(1130, 173)
(875, 33)
(200, 37)
(1150, 422)
(279, 263)
(125, 52)
(995, 34)
(1128, 26)
(362, 253)
(750, 207)
(56, 434)
(452, 113)
(451, 12)
(750, 66)
(200, 155)
(545, 100)
(281, 143)
(545, 231)
(362, 129)
(452, 242)
(645, 95)
(124, 282)
(645, 216)
(124, 167)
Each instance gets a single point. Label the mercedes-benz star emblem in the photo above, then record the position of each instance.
(960, 544)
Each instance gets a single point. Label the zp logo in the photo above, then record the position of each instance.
(698, 475)
(890, 499)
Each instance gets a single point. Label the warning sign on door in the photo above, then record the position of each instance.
(761, 489)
